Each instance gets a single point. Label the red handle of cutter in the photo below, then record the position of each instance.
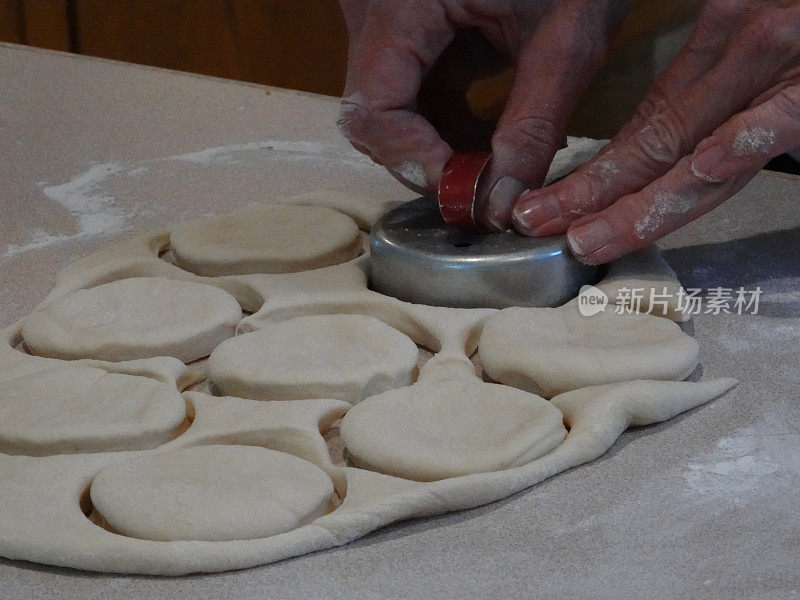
(458, 188)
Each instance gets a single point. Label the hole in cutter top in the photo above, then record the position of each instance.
(462, 244)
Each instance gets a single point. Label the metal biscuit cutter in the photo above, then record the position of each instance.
(441, 258)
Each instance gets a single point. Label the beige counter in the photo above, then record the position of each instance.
(704, 506)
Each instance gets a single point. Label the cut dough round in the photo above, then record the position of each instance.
(266, 238)
(344, 357)
(211, 493)
(83, 409)
(549, 351)
(134, 318)
(443, 429)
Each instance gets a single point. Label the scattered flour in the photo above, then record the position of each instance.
(96, 211)
(752, 142)
(136, 171)
(37, 239)
(83, 196)
(666, 203)
(755, 462)
(606, 167)
(300, 150)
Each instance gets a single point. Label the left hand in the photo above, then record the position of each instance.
(410, 62)
(728, 103)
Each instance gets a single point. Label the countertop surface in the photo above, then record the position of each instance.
(706, 505)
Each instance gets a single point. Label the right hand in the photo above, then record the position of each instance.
(726, 105)
(557, 46)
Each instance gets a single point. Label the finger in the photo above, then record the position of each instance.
(720, 166)
(682, 117)
(554, 67)
(639, 219)
(715, 26)
(386, 65)
(751, 138)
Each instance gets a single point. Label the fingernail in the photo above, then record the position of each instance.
(707, 163)
(705, 144)
(535, 212)
(589, 237)
(500, 201)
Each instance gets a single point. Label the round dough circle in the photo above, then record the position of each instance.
(83, 409)
(441, 429)
(344, 357)
(266, 238)
(134, 318)
(549, 351)
(211, 493)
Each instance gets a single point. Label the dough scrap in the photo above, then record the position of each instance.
(344, 357)
(364, 210)
(293, 427)
(549, 351)
(614, 407)
(265, 238)
(213, 493)
(646, 272)
(442, 429)
(129, 319)
(84, 409)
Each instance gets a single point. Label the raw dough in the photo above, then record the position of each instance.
(291, 427)
(40, 495)
(134, 318)
(214, 493)
(445, 429)
(420, 434)
(345, 357)
(83, 409)
(266, 238)
(552, 350)
(610, 409)
(364, 210)
(646, 273)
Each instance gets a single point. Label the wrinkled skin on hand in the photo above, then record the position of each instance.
(727, 104)
(556, 45)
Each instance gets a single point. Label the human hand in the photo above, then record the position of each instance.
(727, 104)
(557, 45)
